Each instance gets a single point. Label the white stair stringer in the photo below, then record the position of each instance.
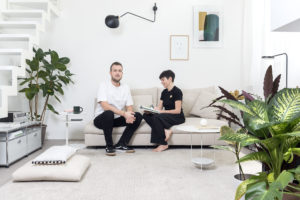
(23, 22)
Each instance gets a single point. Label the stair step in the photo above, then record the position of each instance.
(18, 24)
(24, 13)
(36, 4)
(8, 67)
(15, 37)
(11, 51)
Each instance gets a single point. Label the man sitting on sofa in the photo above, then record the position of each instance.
(112, 98)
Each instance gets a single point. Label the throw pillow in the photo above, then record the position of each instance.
(141, 100)
(200, 107)
(55, 155)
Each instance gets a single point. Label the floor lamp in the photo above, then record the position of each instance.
(286, 65)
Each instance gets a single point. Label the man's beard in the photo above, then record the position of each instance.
(115, 80)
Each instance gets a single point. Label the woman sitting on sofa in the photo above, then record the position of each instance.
(172, 114)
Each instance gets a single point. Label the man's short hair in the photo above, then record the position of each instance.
(167, 74)
(115, 63)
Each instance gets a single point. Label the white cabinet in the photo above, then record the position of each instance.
(16, 149)
(33, 139)
(15, 143)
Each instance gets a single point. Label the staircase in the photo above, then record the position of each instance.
(21, 23)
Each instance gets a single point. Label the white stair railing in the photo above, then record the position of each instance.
(21, 21)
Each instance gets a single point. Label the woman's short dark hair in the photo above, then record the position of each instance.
(167, 74)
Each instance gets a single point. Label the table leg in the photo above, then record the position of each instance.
(201, 156)
(67, 130)
(191, 147)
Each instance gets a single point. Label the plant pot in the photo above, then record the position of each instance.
(43, 126)
(238, 179)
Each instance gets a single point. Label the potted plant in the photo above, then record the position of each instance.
(232, 118)
(273, 126)
(46, 76)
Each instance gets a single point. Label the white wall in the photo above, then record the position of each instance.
(284, 12)
(142, 48)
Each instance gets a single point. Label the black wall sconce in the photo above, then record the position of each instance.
(286, 64)
(112, 21)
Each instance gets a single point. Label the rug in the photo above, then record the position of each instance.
(144, 175)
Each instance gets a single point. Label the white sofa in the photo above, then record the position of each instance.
(193, 101)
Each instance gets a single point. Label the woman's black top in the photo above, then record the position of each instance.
(169, 98)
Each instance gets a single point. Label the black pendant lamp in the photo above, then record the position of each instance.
(112, 21)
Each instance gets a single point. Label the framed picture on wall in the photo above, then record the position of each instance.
(208, 26)
(179, 47)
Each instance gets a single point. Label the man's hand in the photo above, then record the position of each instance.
(129, 117)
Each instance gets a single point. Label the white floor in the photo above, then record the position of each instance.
(169, 175)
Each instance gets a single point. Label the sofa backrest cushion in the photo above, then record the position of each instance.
(141, 100)
(189, 97)
(147, 91)
(200, 108)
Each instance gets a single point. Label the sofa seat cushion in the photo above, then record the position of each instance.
(195, 121)
(144, 128)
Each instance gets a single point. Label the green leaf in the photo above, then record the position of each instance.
(242, 188)
(255, 190)
(28, 71)
(244, 139)
(285, 105)
(42, 74)
(296, 151)
(64, 60)
(238, 105)
(34, 64)
(275, 189)
(68, 73)
(292, 134)
(57, 98)
(260, 156)
(29, 94)
(64, 79)
(60, 66)
(26, 80)
(23, 90)
(50, 107)
(54, 57)
(226, 148)
(39, 55)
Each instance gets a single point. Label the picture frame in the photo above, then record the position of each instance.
(208, 26)
(179, 47)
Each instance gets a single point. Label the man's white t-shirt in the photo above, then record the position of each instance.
(119, 97)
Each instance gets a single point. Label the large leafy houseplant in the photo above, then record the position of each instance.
(46, 76)
(273, 127)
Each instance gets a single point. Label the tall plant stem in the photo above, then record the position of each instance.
(237, 152)
(44, 109)
(30, 109)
